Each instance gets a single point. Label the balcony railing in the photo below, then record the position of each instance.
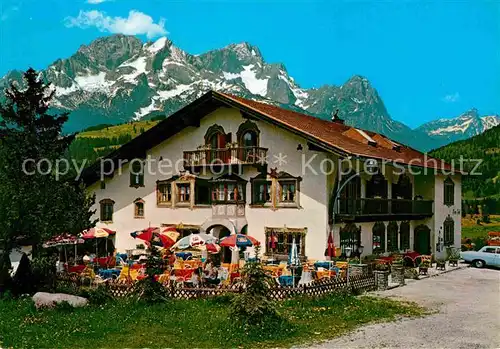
(226, 156)
(384, 207)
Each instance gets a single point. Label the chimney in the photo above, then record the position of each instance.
(336, 118)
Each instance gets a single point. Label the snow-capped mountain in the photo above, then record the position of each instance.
(119, 78)
(466, 125)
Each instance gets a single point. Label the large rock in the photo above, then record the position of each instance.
(49, 300)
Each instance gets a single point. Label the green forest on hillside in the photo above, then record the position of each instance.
(100, 140)
(485, 147)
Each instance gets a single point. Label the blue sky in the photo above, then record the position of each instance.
(426, 59)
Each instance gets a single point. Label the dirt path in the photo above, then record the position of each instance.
(468, 305)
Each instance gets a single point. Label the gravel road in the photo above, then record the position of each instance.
(468, 315)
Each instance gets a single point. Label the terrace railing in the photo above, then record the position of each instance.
(369, 206)
(226, 156)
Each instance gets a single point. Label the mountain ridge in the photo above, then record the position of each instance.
(118, 78)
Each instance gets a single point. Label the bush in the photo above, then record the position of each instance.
(44, 273)
(67, 288)
(22, 282)
(411, 273)
(96, 296)
(149, 289)
(253, 307)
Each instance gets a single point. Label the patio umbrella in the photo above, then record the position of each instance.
(194, 240)
(169, 236)
(331, 246)
(165, 238)
(97, 233)
(145, 234)
(293, 258)
(63, 239)
(239, 240)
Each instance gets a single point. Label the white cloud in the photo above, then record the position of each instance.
(137, 23)
(451, 98)
(96, 1)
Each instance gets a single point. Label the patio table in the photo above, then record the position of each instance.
(75, 268)
(286, 280)
(184, 273)
(276, 271)
(109, 273)
(234, 275)
(325, 274)
(323, 264)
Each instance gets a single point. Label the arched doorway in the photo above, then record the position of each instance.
(422, 239)
(220, 231)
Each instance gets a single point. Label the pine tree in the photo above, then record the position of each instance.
(34, 202)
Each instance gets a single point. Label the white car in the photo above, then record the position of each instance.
(488, 255)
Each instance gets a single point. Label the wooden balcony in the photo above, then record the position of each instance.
(225, 156)
(369, 210)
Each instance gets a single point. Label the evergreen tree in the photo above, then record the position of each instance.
(35, 202)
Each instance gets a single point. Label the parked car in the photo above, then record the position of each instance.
(488, 255)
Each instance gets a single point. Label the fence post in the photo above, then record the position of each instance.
(381, 279)
(398, 274)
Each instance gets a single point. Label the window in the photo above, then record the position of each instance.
(164, 192)
(136, 173)
(287, 191)
(404, 236)
(201, 192)
(229, 191)
(106, 210)
(248, 134)
(489, 250)
(279, 241)
(449, 192)
(261, 192)
(392, 237)
(249, 139)
(449, 231)
(228, 188)
(183, 192)
(350, 236)
(378, 240)
(139, 208)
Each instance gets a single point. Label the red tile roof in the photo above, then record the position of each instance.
(332, 134)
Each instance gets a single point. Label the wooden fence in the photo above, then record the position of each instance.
(316, 288)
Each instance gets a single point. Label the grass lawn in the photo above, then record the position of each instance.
(181, 324)
(470, 229)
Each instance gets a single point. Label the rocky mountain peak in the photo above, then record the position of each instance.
(118, 78)
(473, 112)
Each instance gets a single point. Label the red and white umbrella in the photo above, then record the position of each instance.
(197, 241)
(239, 240)
(61, 240)
(164, 238)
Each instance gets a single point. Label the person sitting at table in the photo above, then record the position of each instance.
(209, 267)
(212, 278)
(195, 279)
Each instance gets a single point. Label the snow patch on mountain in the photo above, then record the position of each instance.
(249, 78)
(139, 65)
(157, 45)
(94, 83)
(452, 129)
(490, 121)
(145, 110)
